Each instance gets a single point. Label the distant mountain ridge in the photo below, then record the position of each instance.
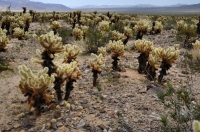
(131, 6)
(38, 6)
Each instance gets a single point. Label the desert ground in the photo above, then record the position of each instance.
(124, 101)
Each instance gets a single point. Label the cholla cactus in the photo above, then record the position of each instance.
(103, 26)
(85, 30)
(97, 64)
(196, 126)
(52, 44)
(66, 72)
(27, 19)
(142, 27)
(117, 50)
(144, 48)
(128, 32)
(157, 27)
(168, 57)
(186, 31)
(117, 36)
(102, 50)
(154, 62)
(3, 40)
(77, 33)
(55, 26)
(71, 52)
(19, 33)
(196, 45)
(34, 85)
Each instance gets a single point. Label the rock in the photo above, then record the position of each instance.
(57, 114)
(59, 124)
(81, 124)
(48, 125)
(63, 129)
(9, 123)
(16, 125)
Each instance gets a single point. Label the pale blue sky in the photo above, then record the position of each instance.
(75, 3)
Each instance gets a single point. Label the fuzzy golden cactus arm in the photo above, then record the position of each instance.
(142, 25)
(3, 40)
(116, 48)
(77, 33)
(98, 62)
(34, 82)
(117, 36)
(50, 42)
(102, 50)
(103, 26)
(144, 46)
(68, 71)
(128, 32)
(55, 25)
(196, 45)
(170, 55)
(71, 52)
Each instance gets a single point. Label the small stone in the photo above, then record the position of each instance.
(17, 125)
(16, 119)
(81, 123)
(48, 125)
(22, 131)
(59, 124)
(9, 123)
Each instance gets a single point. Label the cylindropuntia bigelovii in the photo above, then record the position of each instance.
(3, 40)
(97, 63)
(52, 44)
(144, 48)
(34, 85)
(117, 50)
(168, 57)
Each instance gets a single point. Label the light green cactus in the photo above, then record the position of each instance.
(3, 40)
(196, 126)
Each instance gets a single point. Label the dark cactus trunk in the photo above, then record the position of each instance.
(139, 35)
(163, 72)
(151, 73)
(48, 62)
(126, 40)
(95, 76)
(57, 83)
(115, 63)
(142, 59)
(69, 87)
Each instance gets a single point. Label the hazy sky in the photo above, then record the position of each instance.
(75, 3)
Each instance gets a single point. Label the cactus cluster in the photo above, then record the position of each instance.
(77, 33)
(144, 47)
(34, 85)
(55, 26)
(71, 52)
(196, 45)
(102, 50)
(117, 50)
(142, 27)
(3, 40)
(97, 63)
